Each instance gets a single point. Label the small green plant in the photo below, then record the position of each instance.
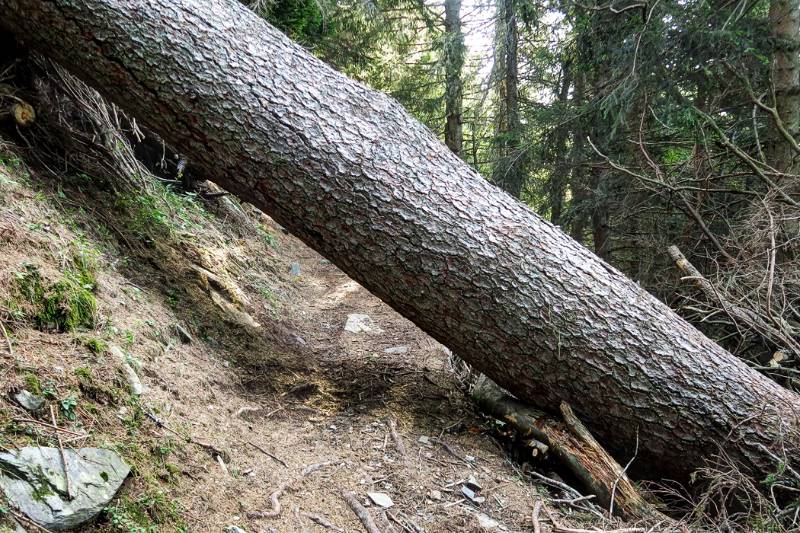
(96, 346)
(268, 237)
(145, 513)
(49, 391)
(68, 406)
(32, 384)
(83, 373)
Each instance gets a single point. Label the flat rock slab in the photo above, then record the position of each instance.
(357, 323)
(33, 481)
(380, 499)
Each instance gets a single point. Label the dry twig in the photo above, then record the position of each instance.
(268, 454)
(63, 455)
(8, 341)
(321, 520)
(398, 440)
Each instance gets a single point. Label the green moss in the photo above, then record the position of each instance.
(32, 384)
(96, 346)
(65, 305)
(94, 389)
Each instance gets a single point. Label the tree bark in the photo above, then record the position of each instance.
(353, 175)
(454, 51)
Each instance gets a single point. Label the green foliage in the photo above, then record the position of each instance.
(145, 513)
(68, 406)
(96, 346)
(32, 384)
(160, 212)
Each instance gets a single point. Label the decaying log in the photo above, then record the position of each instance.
(572, 444)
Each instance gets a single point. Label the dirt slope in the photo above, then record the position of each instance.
(269, 368)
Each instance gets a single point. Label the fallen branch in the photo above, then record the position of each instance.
(210, 448)
(397, 439)
(361, 512)
(736, 312)
(8, 341)
(321, 520)
(63, 455)
(558, 528)
(50, 426)
(274, 498)
(537, 508)
(268, 454)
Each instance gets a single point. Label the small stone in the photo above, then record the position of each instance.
(29, 401)
(294, 269)
(380, 499)
(487, 522)
(424, 440)
(435, 495)
(357, 323)
(473, 484)
(469, 458)
(470, 494)
(396, 350)
(234, 529)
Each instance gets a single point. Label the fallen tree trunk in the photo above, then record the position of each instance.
(348, 171)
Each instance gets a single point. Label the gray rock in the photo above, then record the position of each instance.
(33, 481)
(396, 350)
(488, 523)
(380, 499)
(469, 493)
(294, 269)
(357, 323)
(234, 529)
(29, 401)
(135, 384)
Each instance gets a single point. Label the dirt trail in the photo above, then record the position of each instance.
(296, 391)
(338, 408)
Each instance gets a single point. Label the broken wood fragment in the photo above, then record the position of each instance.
(572, 444)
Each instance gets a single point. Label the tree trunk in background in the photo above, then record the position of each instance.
(352, 174)
(557, 181)
(508, 169)
(784, 18)
(454, 51)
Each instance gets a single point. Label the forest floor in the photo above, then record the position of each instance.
(270, 380)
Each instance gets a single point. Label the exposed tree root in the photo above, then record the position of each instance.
(361, 512)
(274, 498)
